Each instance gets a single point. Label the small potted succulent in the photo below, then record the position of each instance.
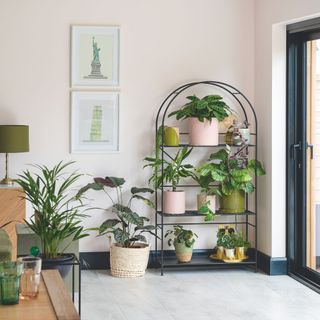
(234, 173)
(58, 213)
(174, 170)
(129, 254)
(204, 116)
(241, 246)
(183, 241)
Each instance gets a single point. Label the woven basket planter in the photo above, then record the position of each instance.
(129, 262)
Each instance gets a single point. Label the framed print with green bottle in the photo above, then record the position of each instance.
(94, 122)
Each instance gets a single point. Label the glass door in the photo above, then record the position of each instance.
(303, 152)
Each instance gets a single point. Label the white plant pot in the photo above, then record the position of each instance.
(229, 253)
(174, 202)
(203, 198)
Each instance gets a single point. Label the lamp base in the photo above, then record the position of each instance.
(7, 181)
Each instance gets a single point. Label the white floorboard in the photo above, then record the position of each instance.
(197, 295)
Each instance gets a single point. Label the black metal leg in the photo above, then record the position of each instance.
(79, 298)
(73, 283)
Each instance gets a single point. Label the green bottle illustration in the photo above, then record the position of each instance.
(96, 124)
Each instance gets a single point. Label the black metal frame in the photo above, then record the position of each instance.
(297, 145)
(245, 106)
(73, 263)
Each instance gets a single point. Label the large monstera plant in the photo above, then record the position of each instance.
(233, 171)
(127, 227)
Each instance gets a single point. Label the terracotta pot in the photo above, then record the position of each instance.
(174, 202)
(203, 133)
(234, 203)
(229, 253)
(171, 136)
(183, 253)
(203, 198)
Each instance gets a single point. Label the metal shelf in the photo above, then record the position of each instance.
(196, 213)
(204, 146)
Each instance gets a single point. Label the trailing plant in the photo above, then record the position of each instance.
(57, 211)
(173, 170)
(180, 235)
(233, 171)
(208, 107)
(128, 226)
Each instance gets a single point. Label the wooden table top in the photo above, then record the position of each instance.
(52, 303)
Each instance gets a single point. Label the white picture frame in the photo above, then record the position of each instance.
(94, 122)
(95, 55)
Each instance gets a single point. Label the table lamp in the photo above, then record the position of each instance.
(13, 138)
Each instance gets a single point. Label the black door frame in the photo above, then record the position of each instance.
(297, 36)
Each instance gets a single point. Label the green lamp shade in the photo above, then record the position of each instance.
(14, 138)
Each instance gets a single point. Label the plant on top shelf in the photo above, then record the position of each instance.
(57, 211)
(174, 170)
(204, 115)
(127, 227)
(183, 241)
(234, 173)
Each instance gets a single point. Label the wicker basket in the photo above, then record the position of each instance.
(129, 262)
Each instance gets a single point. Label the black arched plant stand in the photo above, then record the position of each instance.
(162, 220)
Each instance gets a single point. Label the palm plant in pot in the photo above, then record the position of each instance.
(183, 241)
(234, 173)
(57, 211)
(204, 116)
(174, 170)
(129, 254)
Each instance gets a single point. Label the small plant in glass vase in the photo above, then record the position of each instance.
(173, 171)
(234, 173)
(130, 253)
(183, 241)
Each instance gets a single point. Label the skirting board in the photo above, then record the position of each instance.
(101, 261)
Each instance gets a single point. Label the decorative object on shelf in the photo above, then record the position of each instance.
(10, 275)
(171, 136)
(95, 122)
(204, 115)
(13, 139)
(95, 56)
(129, 255)
(245, 131)
(234, 173)
(49, 190)
(244, 109)
(183, 241)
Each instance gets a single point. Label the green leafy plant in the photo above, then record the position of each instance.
(173, 171)
(57, 212)
(233, 171)
(127, 227)
(221, 233)
(229, 240)
(241, 242)
(209, 107)
(180, 235)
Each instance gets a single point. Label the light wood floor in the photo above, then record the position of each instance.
(199, 295)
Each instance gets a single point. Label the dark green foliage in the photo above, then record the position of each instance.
(181, 235)
(56, 210)
(128, 227)
(209, 107)
(233, 171)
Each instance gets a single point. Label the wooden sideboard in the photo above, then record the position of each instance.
(12, 207)
(52, 303)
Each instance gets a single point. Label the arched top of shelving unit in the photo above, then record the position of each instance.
(236, 94)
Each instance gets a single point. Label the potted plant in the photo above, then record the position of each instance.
(229, 244)
(220, 248)
(174, 170)
(129, 254)
(204, 116)
(57, 211)
(183, 241)
(241, 246)
(234, 172)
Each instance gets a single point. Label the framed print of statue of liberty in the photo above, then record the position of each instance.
(94, 122)
(95, 56)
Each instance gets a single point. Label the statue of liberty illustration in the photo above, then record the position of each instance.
(95, 64)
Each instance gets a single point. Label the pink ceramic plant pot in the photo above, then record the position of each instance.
(203, 133)
(174, 202)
